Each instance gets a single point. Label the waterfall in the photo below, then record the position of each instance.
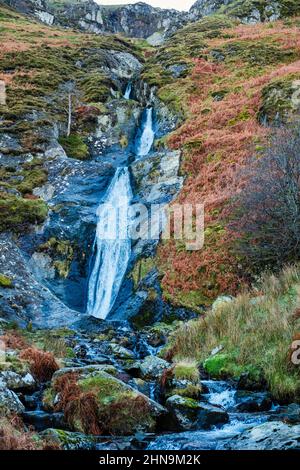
(112, 244)
(128, 91)
(147, 134)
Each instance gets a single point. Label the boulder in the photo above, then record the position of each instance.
(10, 401)
(290, 414)
(210, 415)
(121, 352)
(268, 436)
(152, 367)
(187, 413)
(182, 414)
(124, 410)
(16, 382)
(70, 440)
(253, 401)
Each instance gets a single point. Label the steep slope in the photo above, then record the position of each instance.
(230, 76)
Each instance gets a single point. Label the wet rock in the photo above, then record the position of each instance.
(10, 401)
(187, 413)
(182, 414)
(70, 440)
(121, 352)
(253, 401)
(290, 414)
(210, 415)
(152, 367)
(17, 382)
(247, 382)
(268, 436)
(42, 420)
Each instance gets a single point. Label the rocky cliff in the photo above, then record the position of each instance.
(139, 20)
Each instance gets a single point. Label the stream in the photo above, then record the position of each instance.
(110, 256)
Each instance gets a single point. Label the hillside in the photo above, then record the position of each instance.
(126, 340)
(235, 80)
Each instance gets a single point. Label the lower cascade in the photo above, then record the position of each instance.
(147, 135)
(112, 245)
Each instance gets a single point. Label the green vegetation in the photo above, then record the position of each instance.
(187, 370)
(75, 147)
(256, 332)
(141, 269)
(5, 281)
(17, 213)
(61, 253)
(277, 103)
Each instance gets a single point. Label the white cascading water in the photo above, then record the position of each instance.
(147, 135)
(128, 91)
(113, 246)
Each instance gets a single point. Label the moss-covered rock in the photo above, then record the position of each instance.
(110, 405)
(75, 147)
(18, 213)
(5, 281)
(280, 99)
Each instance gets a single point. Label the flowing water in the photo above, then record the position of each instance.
(220, 393)
(128, 91)
(112, 246)
(146, 138)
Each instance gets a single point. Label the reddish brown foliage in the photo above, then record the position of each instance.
(217, 140)
(42, 364)
(167, 374)
(68, 389)
(14, 341)
(77, 405)
(84, 408)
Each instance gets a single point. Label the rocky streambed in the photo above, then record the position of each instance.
(182, 414)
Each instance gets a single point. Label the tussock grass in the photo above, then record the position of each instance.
(256, 331)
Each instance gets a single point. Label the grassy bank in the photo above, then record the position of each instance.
(254, 333)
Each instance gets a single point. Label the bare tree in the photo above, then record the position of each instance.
(268, 208)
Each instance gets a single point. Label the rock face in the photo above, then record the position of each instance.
(139, 20)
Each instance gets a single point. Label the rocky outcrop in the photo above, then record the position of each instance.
(138, 20)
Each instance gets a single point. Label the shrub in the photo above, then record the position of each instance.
(42, 364)
(14, 341)
(268, 208)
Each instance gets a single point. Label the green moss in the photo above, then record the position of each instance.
(106, 389)
(96, 87)
(222, 365)
(141, 269)
(190, 391)
(62, 254)
(75, 147)
(17, 213)
(5, 281)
